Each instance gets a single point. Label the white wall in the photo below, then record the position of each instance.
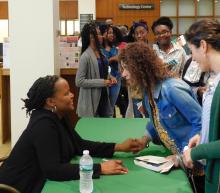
(87, 7)
(33, 26)
(3, 29)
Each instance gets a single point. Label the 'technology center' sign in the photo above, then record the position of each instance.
(136, 6)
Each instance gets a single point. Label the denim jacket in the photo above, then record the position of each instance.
(179, 111)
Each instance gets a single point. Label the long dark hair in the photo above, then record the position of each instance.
(89, 29)
(38, 93)
(118, 36)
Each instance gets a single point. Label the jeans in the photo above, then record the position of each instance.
(114, 91)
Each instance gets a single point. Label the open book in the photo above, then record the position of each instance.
(155, 163)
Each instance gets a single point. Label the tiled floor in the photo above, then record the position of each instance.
(117, 112)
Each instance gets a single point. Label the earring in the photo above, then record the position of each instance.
(54, 109)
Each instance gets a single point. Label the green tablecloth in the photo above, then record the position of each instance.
(138, 179)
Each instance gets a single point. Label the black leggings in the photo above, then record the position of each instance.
(102, 110)
(199, 184)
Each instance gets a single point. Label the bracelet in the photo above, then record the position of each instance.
(147, 145)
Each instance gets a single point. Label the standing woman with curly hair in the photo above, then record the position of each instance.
(92, 76)
(175, 114)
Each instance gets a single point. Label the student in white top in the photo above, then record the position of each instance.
(170, 52)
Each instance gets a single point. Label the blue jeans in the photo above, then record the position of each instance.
(114, 91)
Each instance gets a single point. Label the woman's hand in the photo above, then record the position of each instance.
(108, 83)
(113, 59)
(129, 145)
(143, 142)
(194, 141)
(187, 160)
(107, 48)
(113, 80)
(174, 159)
(113, 167)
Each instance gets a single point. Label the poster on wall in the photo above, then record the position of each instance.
(85, 18)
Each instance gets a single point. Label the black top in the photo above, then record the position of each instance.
(44, 151)
(196, 84)
(103, 67)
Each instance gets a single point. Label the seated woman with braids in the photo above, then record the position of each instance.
(47, 145)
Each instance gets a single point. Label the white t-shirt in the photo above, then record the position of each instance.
(206, 110)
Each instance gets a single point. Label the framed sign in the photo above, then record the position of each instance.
(136, 6)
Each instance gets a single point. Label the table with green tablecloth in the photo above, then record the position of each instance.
(138, 179)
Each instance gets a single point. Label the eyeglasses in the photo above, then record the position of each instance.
(163, 33)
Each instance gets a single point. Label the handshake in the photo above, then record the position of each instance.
(132, 145)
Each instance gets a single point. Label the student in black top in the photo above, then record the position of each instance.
(47, 145)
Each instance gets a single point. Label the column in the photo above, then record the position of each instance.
(33, 36)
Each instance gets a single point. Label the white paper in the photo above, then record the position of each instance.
(155, 163)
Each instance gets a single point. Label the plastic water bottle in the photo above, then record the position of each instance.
(86, 171)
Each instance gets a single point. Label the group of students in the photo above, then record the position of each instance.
(177, 120)
(104, 43)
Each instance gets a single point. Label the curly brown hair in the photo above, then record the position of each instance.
(145, 67)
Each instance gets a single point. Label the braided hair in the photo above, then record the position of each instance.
(89, 29)
(38, 93)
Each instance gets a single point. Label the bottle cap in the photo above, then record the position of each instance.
(85, 152)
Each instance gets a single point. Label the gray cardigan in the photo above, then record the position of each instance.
(88, 79)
